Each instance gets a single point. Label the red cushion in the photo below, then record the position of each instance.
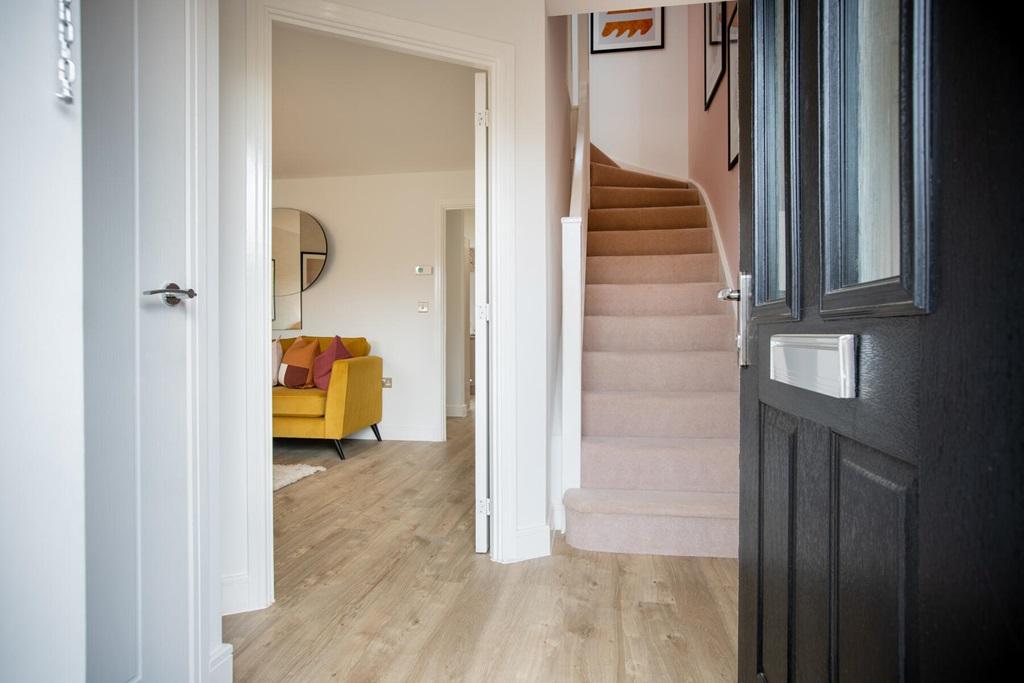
(324, 363)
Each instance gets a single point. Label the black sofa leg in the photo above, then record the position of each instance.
(337, 445)
(376, 432)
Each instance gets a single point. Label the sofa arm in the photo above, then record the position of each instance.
(354, 398)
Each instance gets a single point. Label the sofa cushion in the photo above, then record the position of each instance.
(297, 365)
(324, 363)
(276, 354)
(289, 402)
(357, 346)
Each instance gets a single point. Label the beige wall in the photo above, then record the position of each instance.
(709, 145)
(639, 102)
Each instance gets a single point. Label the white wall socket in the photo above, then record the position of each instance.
(423, 306)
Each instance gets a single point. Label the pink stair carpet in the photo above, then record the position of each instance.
(660, 471)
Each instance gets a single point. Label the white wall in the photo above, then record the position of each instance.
(638, 102)
(457, 307)
(42, 489)
(379, 228)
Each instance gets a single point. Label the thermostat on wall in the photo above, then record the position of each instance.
(424, 270)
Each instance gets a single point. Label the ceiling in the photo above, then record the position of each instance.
(343, 108)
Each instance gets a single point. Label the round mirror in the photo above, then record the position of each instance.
(300, 251)
(298, 258)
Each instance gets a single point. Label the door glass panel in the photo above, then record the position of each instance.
(772, 179)
(871, 141)
(776, 247)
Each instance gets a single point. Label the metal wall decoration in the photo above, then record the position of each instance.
(66, 72)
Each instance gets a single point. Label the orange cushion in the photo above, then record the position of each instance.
(297, 365)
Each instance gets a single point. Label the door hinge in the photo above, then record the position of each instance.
(483, 118)
(483, 313)
(483, 506)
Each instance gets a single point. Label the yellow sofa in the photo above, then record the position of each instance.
(352, 400)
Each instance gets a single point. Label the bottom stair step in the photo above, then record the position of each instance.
(689, 523)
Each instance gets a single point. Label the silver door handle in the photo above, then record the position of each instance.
(742, 295)
(172, 294)
(728, 294)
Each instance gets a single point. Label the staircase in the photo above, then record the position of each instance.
(660, 420)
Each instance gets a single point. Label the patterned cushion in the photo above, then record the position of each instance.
(324, 363)
(276, 354)
(297, 365)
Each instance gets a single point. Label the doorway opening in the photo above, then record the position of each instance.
(357, 195)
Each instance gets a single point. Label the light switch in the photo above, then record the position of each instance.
(424, 270)
(423, 307)
(385, 382)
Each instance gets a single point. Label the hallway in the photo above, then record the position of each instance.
(377, 580)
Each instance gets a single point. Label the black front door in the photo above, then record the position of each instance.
(882, 464)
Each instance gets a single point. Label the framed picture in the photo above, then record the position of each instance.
(714, 52)
(734, 86)
(627, 29)
(312, 265)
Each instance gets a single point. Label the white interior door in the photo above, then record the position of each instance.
(147, 141)
(482, 294)
(42, 537)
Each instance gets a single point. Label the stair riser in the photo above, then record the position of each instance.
(685, 371)
(707, 333)
(652, 269)
(658, 415)
(659, 469)
(650, 242)
(647, 218)
(686, 299)
(636, 197)
(620, 177)
(652, 535)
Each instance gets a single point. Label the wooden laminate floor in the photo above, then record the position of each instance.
(376, 580)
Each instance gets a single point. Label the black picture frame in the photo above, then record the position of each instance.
(732, 66)
(302, 268)
(593, 31)
(711, 89)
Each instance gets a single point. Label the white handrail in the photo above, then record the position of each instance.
(574, 270)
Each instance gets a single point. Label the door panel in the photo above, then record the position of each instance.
(147, 209)
(879, 535)
(778, 453)
(481, 294)
(873, 514)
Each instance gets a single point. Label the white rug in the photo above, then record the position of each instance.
(289, 474)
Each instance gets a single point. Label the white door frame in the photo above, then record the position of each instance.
(498, 60)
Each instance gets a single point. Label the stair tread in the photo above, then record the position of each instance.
(687, 443)
(658, 353)
(705, 504)
(659, 393)
(676, 318)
